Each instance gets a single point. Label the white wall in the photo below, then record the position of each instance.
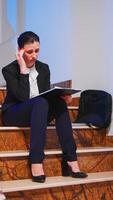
(11, 24)
(92, 43)
(76, 38)
(51, 20)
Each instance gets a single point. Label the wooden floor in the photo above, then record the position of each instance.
(95, 157)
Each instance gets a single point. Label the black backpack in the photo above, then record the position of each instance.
(95, 108)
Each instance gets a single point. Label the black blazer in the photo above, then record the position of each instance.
(17, 84)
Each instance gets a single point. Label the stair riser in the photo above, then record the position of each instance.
(2, 96)
(99, 191)
(19, 140)
(18, 167)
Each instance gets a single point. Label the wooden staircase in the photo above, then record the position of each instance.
(95, 156)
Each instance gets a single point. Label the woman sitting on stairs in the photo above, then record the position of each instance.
(26, 77)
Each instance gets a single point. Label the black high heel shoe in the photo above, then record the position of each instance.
(67, 171)
(39, 179)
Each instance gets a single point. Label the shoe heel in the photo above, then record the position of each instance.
(65, 168)
(67, 171)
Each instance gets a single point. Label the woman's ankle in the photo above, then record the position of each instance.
(74, 166)
(37, 169)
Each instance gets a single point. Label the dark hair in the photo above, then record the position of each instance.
(27, 37)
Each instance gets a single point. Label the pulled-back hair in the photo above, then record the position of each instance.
(26, 38)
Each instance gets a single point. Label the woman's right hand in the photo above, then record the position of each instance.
(21, 61)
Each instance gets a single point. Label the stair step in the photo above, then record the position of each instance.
(58, 181)
(2, 87)
(74, 126)
(73, 107)
(20, 153)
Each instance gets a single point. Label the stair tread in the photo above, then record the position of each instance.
(73, 107)
(58, 181)
(74, 126)
(2, 87)
(19, 153)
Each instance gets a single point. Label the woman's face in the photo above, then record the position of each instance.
(31, 52)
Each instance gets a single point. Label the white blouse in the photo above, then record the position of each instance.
(34, 90)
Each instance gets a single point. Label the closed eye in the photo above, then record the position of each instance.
(32, 51)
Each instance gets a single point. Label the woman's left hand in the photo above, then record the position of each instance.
(67, 98)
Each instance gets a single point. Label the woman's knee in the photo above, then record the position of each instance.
(41, 102)
(61, 104)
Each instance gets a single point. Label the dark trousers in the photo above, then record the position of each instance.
(36, 113)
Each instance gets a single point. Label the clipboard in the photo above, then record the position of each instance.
(59, 91)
